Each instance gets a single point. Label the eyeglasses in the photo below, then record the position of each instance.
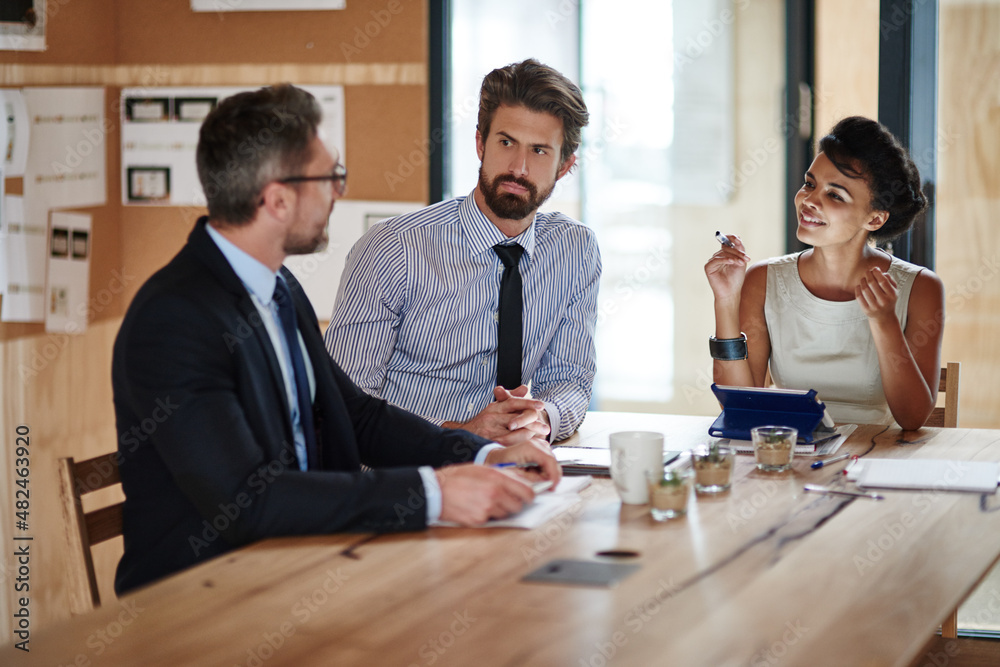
(338, 178)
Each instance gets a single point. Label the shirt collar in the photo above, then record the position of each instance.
(482, 234)
(257, 278)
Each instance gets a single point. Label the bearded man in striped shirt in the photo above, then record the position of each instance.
(419, 306)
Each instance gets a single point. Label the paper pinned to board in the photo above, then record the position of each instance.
(68, 284)
(14, 133)
(23, 247)
(160, 127)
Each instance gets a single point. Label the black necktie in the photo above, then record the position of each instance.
(286, 314)
(509, 321)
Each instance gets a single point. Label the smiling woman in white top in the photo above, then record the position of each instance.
(861, 327)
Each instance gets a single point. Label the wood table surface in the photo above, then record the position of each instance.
(765, 574)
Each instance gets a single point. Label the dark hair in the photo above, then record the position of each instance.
(863, 148)
(537, 87)
(249, 140)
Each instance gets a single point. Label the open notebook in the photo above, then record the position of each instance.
(547, 505)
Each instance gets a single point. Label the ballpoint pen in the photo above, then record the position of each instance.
(820, 464)
(512, 464)
(724, 240)
(858, 494)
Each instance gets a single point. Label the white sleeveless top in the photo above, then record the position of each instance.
(827, 345)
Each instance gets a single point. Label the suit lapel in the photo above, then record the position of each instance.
(248, 328)
(335, 430)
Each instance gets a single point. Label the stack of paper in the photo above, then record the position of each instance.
(927, 474)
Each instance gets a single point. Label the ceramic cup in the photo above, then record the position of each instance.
(633, 454)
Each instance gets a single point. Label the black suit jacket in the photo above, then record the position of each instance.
(205, 436)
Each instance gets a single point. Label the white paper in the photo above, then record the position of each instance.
(264, 5)
(66, 153)
(68, 285)
(3, 234)
(14, 132)
(927, 474)
(320, 272)
(20, 36)
(24, 295)
(546, 507)
(160, 135)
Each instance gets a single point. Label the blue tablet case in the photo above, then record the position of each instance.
(746, 407)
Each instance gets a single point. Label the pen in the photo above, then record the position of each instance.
(820, 464)
(859, 494)
(724, 240)
(512, 464)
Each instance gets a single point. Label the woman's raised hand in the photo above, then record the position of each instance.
(726, 270)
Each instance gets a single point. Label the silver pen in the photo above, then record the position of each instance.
(820, 464)
(860, 494)
(724, 240)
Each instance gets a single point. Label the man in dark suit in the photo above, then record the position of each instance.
(234, 424)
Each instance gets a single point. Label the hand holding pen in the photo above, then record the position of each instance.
(732, 247)
(536, 486)
(724, 240)
(727, 267)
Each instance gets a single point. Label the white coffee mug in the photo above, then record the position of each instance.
(633, 453)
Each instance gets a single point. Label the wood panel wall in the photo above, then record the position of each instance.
(846, 61)
(59, 386)
(968, 200)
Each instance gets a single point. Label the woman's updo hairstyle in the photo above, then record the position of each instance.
(863, 148)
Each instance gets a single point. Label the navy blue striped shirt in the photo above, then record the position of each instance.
(415, 321)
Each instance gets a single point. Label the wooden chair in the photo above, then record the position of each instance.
(85, 529)
(947, 417)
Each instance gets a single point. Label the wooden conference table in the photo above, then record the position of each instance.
(766, 574)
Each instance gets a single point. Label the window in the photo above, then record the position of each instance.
(671, 118)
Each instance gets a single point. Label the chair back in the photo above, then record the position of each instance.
(85, 529)
(947, 416)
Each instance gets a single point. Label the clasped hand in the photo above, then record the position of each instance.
(514, 417)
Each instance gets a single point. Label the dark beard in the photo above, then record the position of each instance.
(509, 206)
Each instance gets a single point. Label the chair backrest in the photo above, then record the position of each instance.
(948, 385)
(85, 529)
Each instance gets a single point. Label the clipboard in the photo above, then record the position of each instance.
(743, 408)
